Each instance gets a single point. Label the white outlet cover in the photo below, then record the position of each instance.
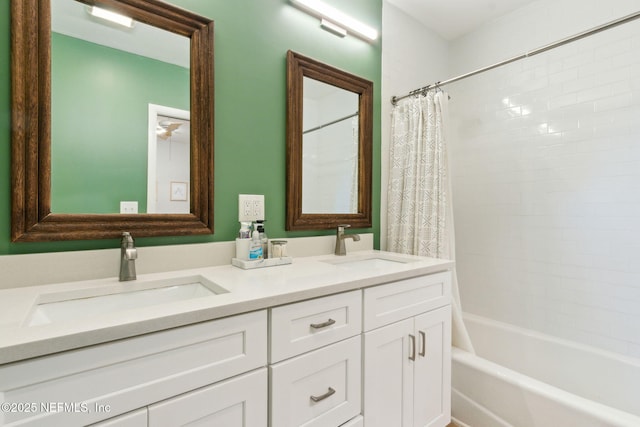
(130, 207)
(250, 207)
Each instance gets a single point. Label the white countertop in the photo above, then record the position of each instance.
(249, 290)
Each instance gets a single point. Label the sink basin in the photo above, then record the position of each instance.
(370, 261)
(76, 305)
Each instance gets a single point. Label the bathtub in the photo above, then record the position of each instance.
(523, 378)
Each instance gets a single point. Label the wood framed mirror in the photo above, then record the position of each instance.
(32, 218)
(329, 146)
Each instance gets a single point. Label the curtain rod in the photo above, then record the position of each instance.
(330, 123)
(575, 37)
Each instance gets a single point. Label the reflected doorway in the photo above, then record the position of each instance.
(168, 171)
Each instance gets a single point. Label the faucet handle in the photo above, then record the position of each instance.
(131, 254)
(341, 227)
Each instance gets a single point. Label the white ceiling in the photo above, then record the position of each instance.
(454, 18)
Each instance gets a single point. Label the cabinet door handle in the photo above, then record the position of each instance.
(423, 338)
(329, 392)
(413, 347)
(323, 324)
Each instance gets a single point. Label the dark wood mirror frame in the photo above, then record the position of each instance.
(299, 66)
(31, 217)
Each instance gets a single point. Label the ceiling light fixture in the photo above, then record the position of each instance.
(340, 19)
(111, 16)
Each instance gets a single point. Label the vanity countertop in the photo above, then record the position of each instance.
(249, 290)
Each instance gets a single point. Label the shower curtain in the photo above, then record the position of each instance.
(419, 210)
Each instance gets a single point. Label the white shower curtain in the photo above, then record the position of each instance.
(419, 210)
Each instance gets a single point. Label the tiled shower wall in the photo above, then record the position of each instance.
(545, 159)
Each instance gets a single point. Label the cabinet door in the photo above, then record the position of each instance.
(388, 375)
(132, 419)
(238, 402)
(432, 369)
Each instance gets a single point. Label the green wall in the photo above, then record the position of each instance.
(251, 41)
(99, 107)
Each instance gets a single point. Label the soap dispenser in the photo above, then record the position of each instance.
(255, 248)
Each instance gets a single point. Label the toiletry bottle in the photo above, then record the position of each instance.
(245, 230)
(264, 240)
(243, 241)
(255, 247)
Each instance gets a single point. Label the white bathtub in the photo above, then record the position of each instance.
(523, 378)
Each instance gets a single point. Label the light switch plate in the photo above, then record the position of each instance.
(250, 207)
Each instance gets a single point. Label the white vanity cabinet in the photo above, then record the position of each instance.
(366, 348)
(407, 353)
(316, 353)
(100, 382)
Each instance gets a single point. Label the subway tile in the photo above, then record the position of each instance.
(616, 48)
(593, 93)
(633, 349)
(613, 102)
(577, 60)
(563, 100)
(564, 76)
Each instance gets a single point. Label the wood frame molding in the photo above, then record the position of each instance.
(299, 66)
(31, 216)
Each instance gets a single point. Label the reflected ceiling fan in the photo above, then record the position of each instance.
(166, 128)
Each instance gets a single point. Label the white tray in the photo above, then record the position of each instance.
(260, 263)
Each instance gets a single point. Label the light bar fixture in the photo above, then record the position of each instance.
(111, 16)
(333, 28)
(338, 18)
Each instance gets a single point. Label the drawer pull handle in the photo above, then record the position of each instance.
(323, 324)
(330, 392)
(423, 351)
(413, 347)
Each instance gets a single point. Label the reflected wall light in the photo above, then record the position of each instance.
(340, 19)
(111, 16)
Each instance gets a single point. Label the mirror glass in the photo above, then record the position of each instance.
(329, 146)
(329, 149)
(104, 77)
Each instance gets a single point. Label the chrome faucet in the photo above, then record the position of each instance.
(128, 255)
(340, 236)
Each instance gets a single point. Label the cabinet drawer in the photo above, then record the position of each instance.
(304, 326)
(237, 402)
(389, 303)
(131, 373)
(318, 389)
(356, 422)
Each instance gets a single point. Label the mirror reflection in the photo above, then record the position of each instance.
(104, 77)
(168, 164)
(329, 148)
